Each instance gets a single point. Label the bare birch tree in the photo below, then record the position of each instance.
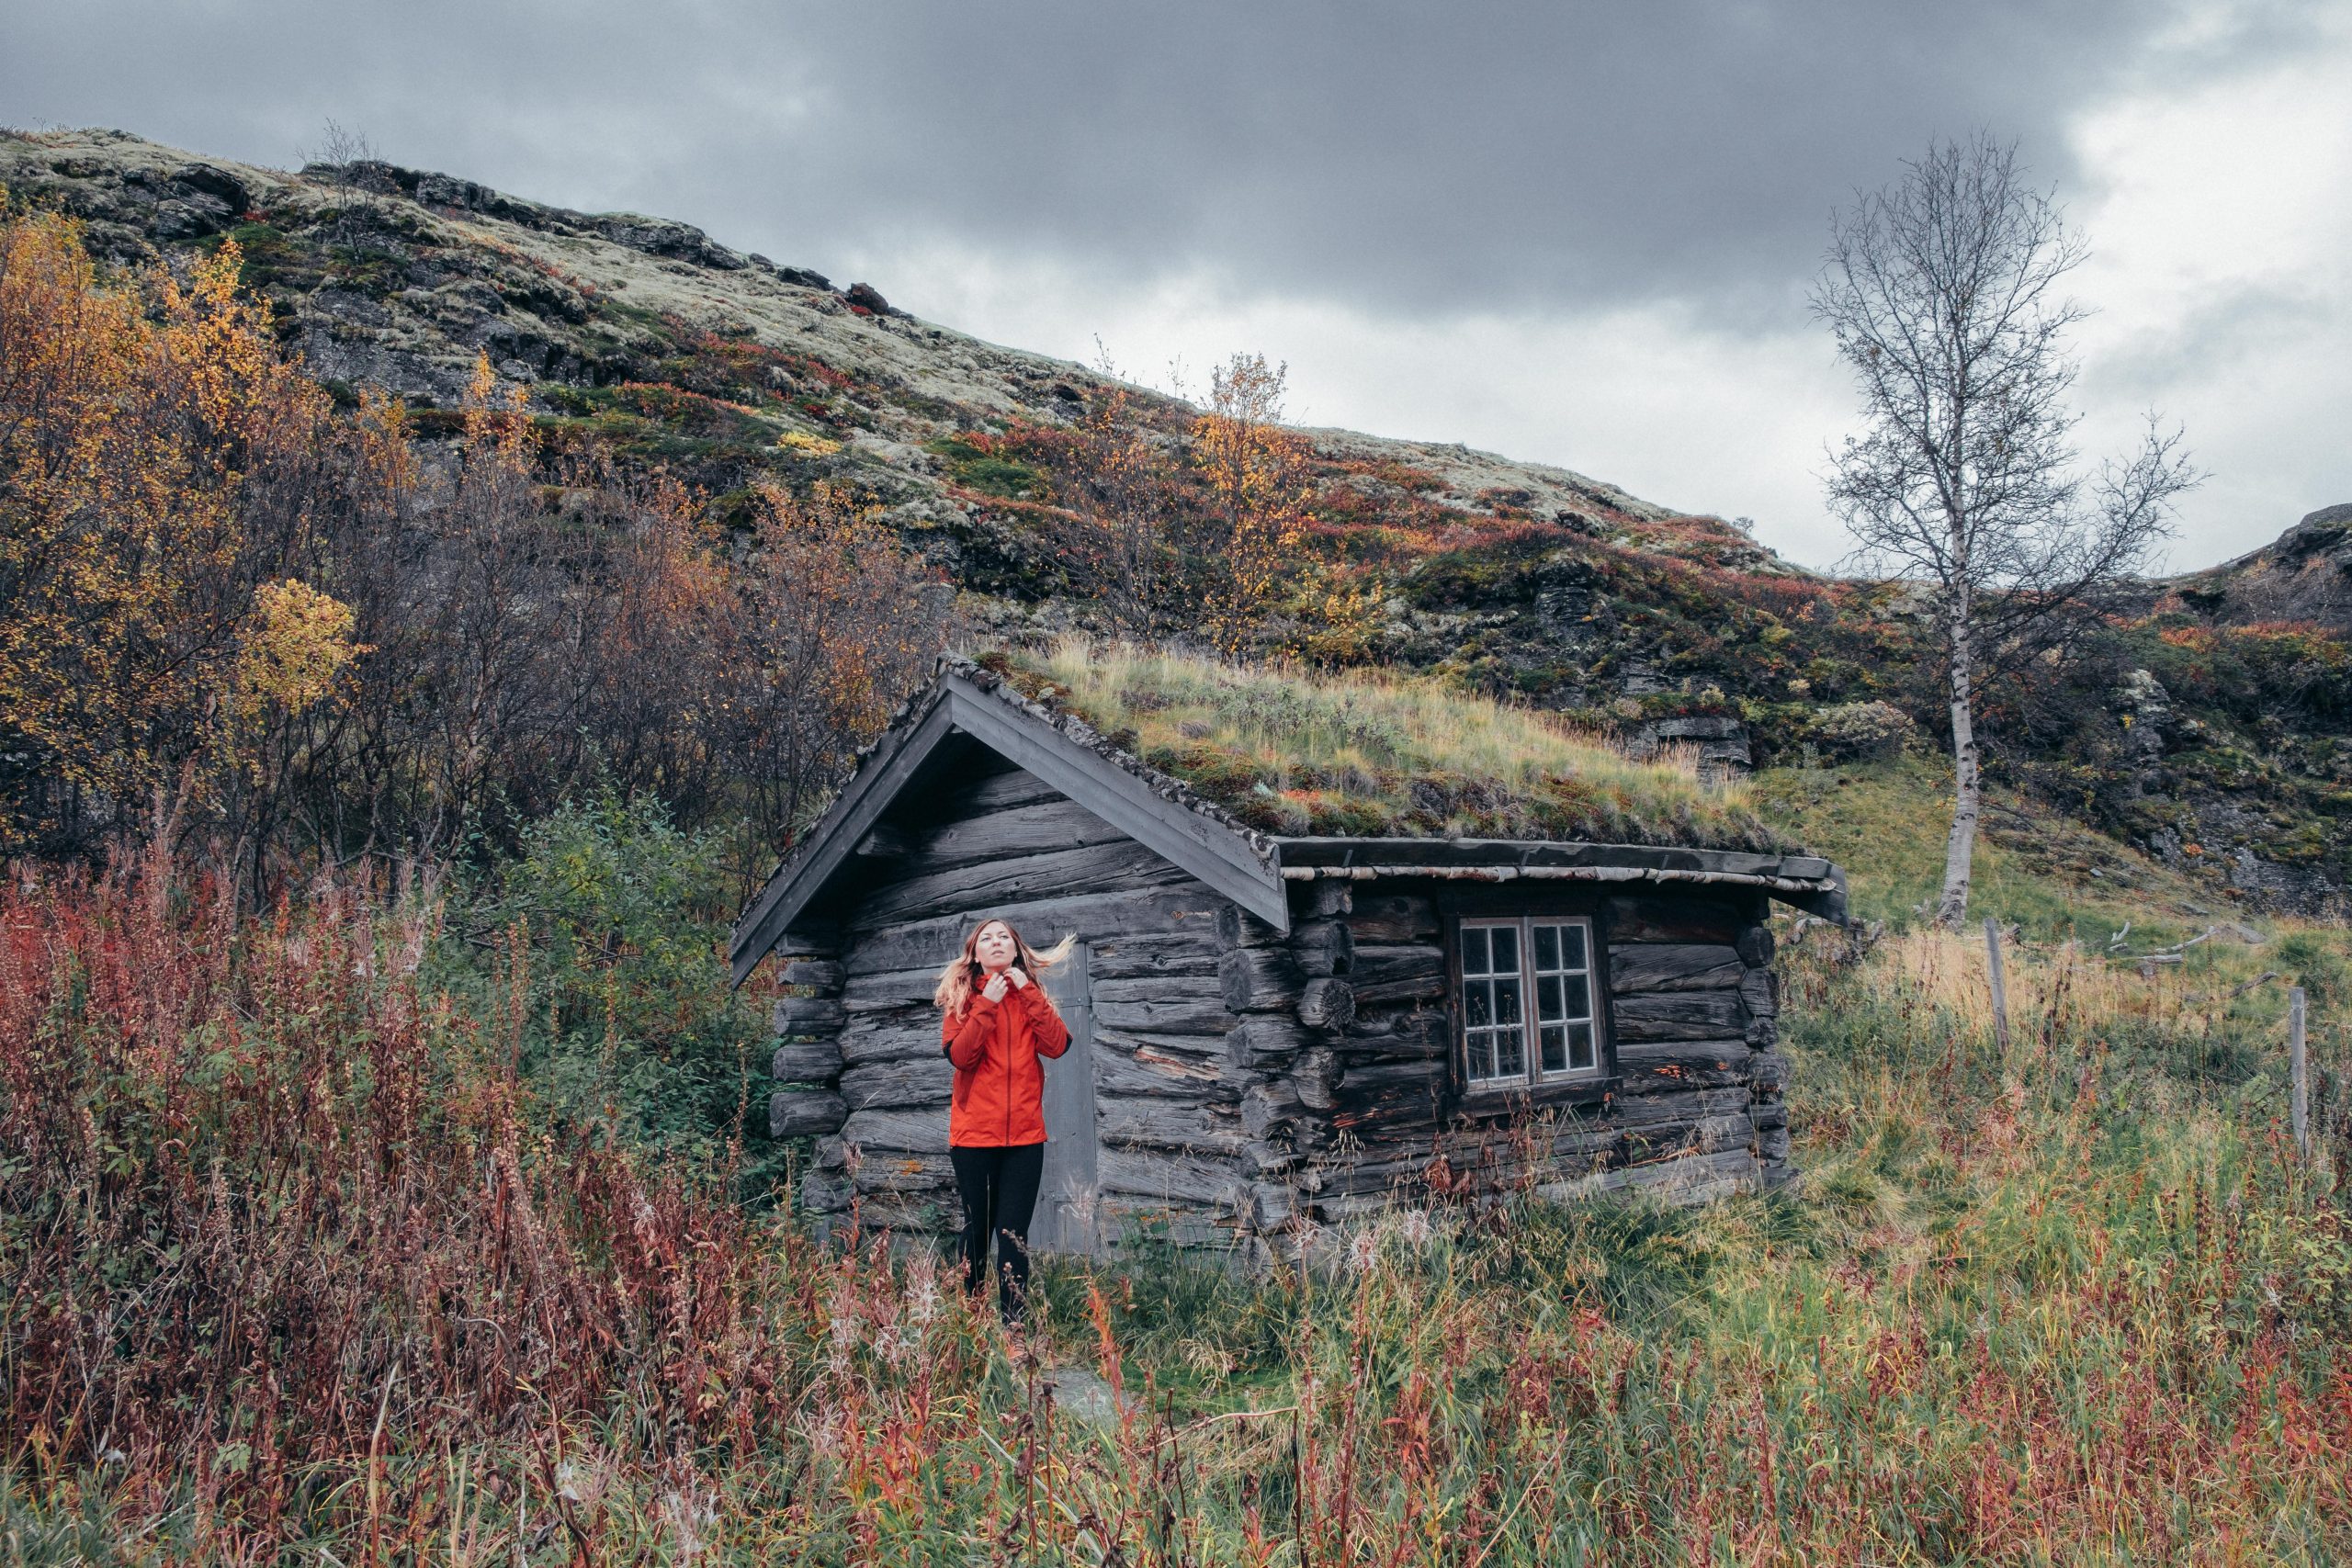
(1943, 291)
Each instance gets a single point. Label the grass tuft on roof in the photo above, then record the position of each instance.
(1379, 755)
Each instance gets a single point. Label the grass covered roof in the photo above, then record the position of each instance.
(1373, 754)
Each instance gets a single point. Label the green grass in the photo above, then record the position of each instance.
(1366, 753)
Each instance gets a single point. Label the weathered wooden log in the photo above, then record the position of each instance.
(1674, 967)
(1394, 920)
(1207, 1048)
(1321, 899)
(1041, 828)
(1412, 972)
(1181, 1129)
(1770, 1072)
(1268, 1157)
(1381, 1033)
(808, 1016)
(999, 791)
(1316, 1075)
(1761, 991)
(1159, 988)
(1264, 1042)
(1207, 1180)
(1270, 1108)
(884, 840)
(1772, 1146)
(899, 989)
(1237, 927)
(881, 1135)
(1273, 1205)
(1768, 1112)
(1638, 918)
(814, 1061)
(810, 939)
(930, 943)
(1390, 1099)
(799, 1113)
(915, 1171)
(1678, 1015)
(1198, 1010)
(1152, 1074)
(832, 1153)
(898, 1086)
(1756, 946)
(817, 974)
(1705, 1135)
(1323, 947)
(924, 1214)
(1117, 866)
(1327, 1004)
(1194, 952)
(1255, 979)
(1659, 1067)
(1763, 1033)
(825, 1192)
(1646, 1112)
(1688, 1178)
(1123, 1217)
(890, 1040)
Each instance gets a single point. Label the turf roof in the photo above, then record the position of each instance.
(1298, 753)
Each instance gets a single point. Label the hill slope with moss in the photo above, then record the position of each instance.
(2209, 728)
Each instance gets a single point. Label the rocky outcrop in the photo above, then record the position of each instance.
(2306, 574)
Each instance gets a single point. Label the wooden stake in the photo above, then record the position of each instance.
(2000, 991)
(2299, 1065)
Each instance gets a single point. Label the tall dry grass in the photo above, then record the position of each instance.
(1372, 750)
(293, 1273)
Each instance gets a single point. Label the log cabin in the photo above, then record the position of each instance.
(1273, 1031)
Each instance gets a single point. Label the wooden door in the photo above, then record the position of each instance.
(1064, 1221)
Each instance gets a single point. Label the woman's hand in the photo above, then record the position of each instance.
(994, 990)
(1018, 976)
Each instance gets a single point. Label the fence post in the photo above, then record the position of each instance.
(2000, 991)
(2299, 1065)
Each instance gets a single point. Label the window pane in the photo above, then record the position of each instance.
(1580, 1057)
(1556, 1049)
(1506, 942)
(1482, 1056)
(1547, 947)
(1510, 1054)
(1477, 1003)
(1474, 950)
(1547, 997)
(1573, 936)
(1579, 998)
(1506, 1000)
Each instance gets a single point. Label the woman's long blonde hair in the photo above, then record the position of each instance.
(962, 976)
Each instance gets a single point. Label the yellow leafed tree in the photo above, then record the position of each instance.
(138, 425)
(1255, 473)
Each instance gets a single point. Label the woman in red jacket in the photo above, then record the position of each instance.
(996, 1021)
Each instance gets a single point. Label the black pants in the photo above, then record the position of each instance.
(998, 1187)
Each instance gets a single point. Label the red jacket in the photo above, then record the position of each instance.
(1000, 1085)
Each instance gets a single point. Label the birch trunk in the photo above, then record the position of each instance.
(1960, 848)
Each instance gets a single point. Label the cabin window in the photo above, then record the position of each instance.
(1527, 1007)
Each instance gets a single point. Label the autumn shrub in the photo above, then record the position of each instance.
(628, 1022)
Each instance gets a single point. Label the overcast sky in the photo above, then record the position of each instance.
(1580, 233)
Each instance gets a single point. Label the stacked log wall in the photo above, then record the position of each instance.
(1168, 1113)
(1348, 1092)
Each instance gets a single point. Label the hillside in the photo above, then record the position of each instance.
(2210, 731)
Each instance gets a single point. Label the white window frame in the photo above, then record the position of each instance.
(1475, 1039)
